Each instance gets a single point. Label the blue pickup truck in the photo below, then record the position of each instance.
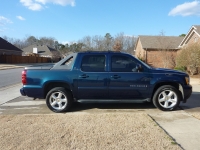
(105, 76)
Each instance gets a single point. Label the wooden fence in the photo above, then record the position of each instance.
(14, 59)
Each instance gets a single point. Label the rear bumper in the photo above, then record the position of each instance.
(22, 92)
(187, 92)
(32, 92)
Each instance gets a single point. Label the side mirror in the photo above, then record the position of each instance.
(139, 67)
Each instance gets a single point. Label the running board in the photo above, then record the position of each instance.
(113, 100)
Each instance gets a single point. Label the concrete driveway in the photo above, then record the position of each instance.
(25, 105)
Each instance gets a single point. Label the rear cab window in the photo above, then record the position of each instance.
(93, 63)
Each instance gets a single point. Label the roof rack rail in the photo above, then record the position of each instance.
(110, 51)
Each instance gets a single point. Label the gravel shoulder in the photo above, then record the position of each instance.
(83, 131)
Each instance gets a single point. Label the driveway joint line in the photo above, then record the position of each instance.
(174, 140)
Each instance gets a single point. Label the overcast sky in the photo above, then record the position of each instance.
(71, 20)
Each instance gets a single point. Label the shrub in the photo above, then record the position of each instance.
(189, 56)
(182, 68)
(140, 58)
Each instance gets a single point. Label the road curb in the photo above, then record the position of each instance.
(10, 86)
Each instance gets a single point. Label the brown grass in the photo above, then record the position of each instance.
(83, 131)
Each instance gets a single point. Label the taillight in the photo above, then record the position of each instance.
(24, 77)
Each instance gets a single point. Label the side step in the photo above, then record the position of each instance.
(113, 100)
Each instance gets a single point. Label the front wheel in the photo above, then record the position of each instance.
(166, 98)
(58, 99)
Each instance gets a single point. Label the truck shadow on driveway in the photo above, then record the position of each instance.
(109, 107)
(193, 103)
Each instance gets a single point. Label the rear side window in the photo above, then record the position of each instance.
(122, 64)
(68, 63)
(93, 63)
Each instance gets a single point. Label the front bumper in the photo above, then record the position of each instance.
(187, 92)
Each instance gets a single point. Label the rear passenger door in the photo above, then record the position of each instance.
(93, 77)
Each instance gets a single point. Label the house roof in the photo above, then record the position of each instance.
(41, 50)
(5, 45)
(197, 28)
(160, 42)
(194, 29)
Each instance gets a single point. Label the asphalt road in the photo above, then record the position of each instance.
(10, 77)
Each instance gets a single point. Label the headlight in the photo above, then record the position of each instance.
(187, 80)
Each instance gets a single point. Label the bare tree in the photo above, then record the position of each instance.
(167, 57)
(127, 42)
(19, 43)
(108, 41)
(87, 43)
(31, 40)
(50, 41)
(117, 46)
(98, 43)
(16, 42)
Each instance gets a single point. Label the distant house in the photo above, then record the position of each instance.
(192, 36)
(7, 48)
(42, 51)
(157, 50)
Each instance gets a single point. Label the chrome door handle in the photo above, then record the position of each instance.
(83, 76)
(115, 76)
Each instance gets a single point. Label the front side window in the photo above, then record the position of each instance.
(123, 64)
(93, 63)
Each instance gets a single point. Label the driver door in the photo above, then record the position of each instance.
(126, 81)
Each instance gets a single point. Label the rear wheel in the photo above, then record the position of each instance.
(166, 98)
(58, 99)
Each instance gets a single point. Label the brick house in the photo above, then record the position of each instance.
(161, 51)
(192, 36)
(158, 51)
(7, 48)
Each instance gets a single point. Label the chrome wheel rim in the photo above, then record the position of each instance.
(167, 99)
(58, 100)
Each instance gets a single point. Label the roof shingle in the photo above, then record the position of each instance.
(197, 28)
(160, 42)
(42, 50)
(5, 45)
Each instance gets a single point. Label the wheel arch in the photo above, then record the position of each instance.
(50, 85)
(174, 84)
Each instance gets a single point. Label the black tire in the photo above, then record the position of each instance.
(166, 98)
(58, 100)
